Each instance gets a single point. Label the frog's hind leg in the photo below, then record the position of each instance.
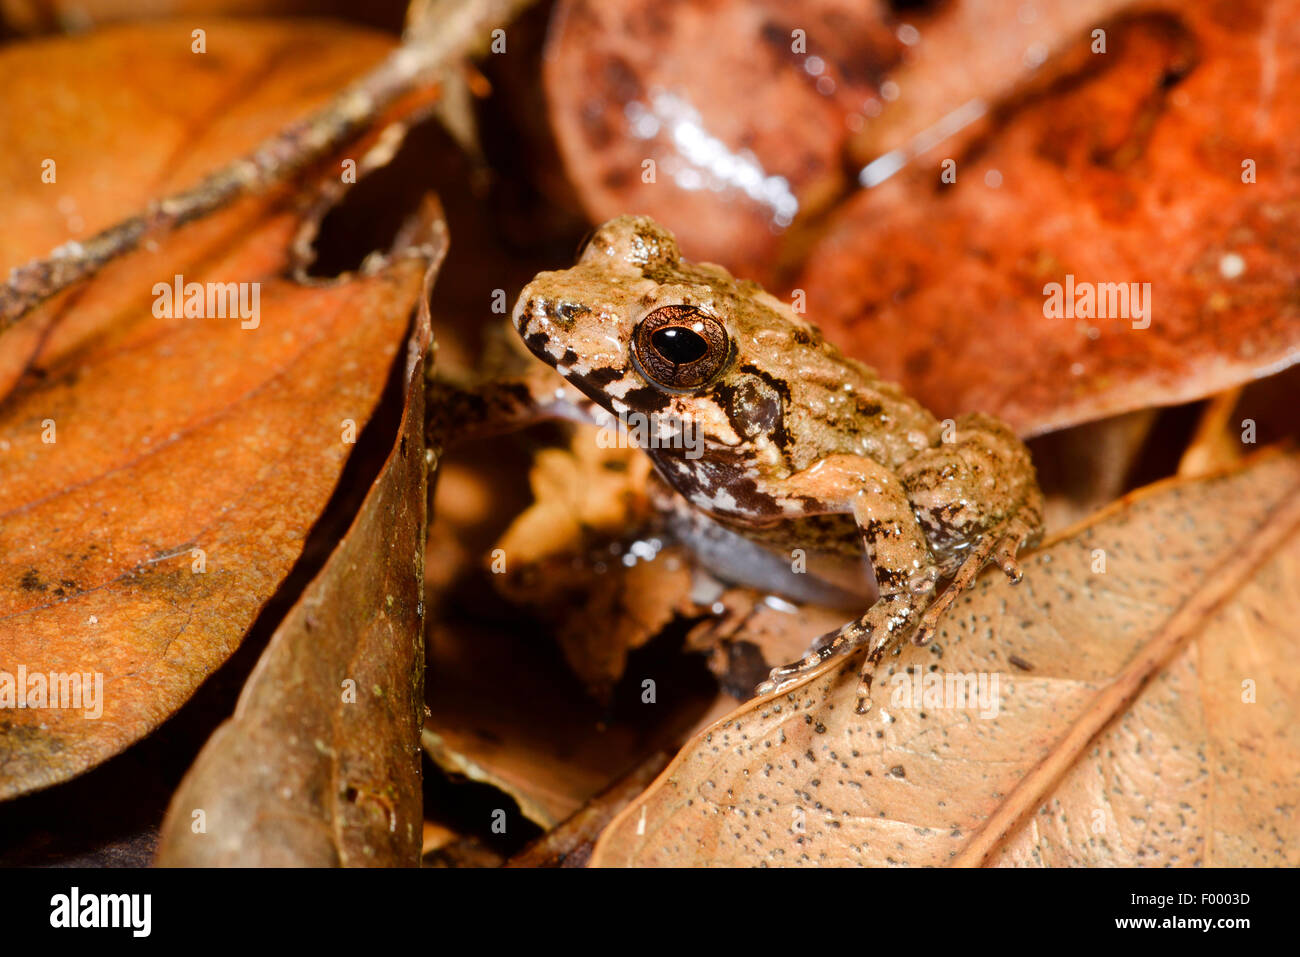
(905, 568)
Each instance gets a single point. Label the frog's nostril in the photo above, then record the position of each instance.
(567, 312)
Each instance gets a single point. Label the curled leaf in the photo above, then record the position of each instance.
(319, 765)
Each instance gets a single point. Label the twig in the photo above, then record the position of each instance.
(438, 34)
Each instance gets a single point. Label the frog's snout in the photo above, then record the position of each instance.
(544, 316)
(523, 315)
(532, 321)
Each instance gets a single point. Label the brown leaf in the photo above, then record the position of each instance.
(168, 117)
(158, 476)
(1123, 167)
(564, 559)
(319, 766)
(965, 55)
(503, 712)
(1144, 715)
(742, 131)
(757, 113)
(570, 844)
(1084, 468)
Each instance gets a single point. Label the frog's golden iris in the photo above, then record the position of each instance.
(680, 348)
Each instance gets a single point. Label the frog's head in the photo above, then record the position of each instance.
(638, 329)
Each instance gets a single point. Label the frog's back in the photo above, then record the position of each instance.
(838, 405)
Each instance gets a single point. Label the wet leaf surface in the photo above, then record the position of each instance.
(1144, 715)
(745, 110)
(757, 115)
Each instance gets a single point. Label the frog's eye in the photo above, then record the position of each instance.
(680, 347)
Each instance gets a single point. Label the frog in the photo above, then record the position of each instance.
(794, 447)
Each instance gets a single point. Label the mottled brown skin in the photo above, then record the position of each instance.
(802, 447)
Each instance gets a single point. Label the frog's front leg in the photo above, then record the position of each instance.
(905, 569)
(457, 411)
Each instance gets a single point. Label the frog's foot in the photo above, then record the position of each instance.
(828, 646)
(999, 545)
(884, 626)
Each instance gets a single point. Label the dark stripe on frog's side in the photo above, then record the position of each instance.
(600, 378)
(647, 399)
(536, 343)
(722, 470)
(594, 385)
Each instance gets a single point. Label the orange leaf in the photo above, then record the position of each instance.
(1157, 165)
(158, 476)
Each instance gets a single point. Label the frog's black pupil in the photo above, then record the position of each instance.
(679, 345)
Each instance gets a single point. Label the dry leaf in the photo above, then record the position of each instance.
(169, 116)
(962, 57)
(319, 766)
(1157, 163)
(571, 559)
(504, 712)
(56, 16)
(109, 148)
(158, 476)
(1084, 468)
(570, 843)
(1142, 715)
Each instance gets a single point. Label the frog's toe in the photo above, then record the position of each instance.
(864, 693)
(1005, 555)
(824, 648)
(778, 682)
(867, 675)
